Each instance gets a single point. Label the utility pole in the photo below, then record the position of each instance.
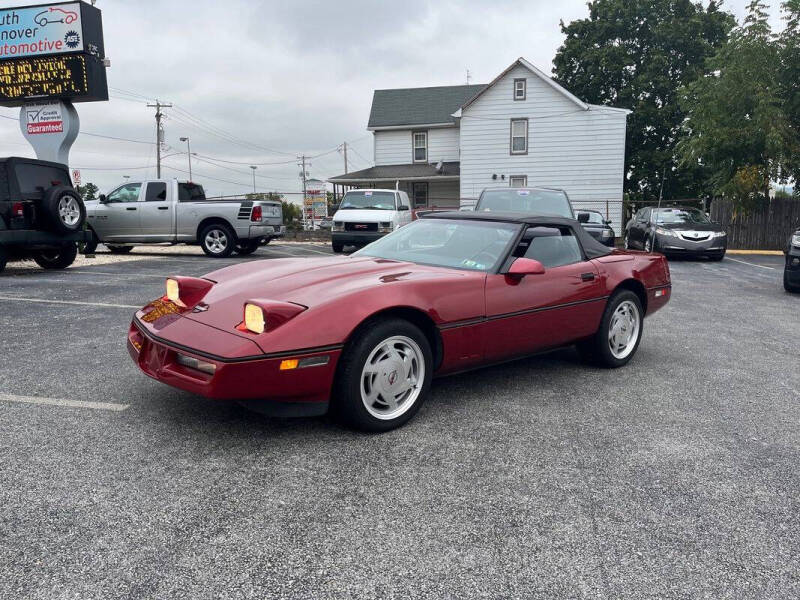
(343, 149)
(469, 76)
(302, 164)
(254, 177)
(159, 133)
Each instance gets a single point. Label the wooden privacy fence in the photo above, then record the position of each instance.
(766, 228)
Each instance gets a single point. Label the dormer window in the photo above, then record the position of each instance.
(420, 146)
(520, 89)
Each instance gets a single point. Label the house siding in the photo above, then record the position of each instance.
(582, 152)
(394, 147)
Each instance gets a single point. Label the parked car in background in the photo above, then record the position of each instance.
(676, 231)
(364, 216)
(449, 292)
(527, 200)
(597, 226)
(41, 214)
(791, 273)
(175, 212)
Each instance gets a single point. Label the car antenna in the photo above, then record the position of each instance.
(658, 210)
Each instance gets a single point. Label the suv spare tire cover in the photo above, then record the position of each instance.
(63, 209)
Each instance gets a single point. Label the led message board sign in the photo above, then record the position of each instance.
(75, 77)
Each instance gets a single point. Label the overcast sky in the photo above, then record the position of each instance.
(261, 82)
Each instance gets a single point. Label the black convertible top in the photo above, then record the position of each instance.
(591, 247)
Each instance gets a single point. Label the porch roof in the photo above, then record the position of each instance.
(412, 172)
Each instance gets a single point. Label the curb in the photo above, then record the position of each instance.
(758, 252)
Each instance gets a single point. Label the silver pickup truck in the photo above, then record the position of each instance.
(177, 212)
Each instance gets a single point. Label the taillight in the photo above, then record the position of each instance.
(17, 209)
(256, 214)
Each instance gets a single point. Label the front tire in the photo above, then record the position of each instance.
(218, 240)
(248, 247)
(384, 376)
(338, 247)
(617, 339)
(119, 249)
(787, 285)
(57, 258)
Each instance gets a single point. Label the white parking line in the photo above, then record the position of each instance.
(73, 302)
(60, 402)
(744, 262)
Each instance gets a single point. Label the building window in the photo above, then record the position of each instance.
(519, 136)
(420, 146)
(420, 194)
(518, 180)
(520, 89)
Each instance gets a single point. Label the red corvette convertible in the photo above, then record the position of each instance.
(362, 335)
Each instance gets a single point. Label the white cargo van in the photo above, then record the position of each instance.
(366, 215)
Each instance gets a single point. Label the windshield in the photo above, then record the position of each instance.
(593, 217)
(472, 245)
(367, 199)
(670, 216)
(539, 202)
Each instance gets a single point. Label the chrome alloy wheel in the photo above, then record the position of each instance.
(627, 243)
(623, 330)
(648, 245)
(68, 211)
(392, 377)
(216, 241)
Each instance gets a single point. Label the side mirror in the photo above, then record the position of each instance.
(583, 217)
(525, 266)
(402, 207)
(606, 222)
(335, 207)
(103, 199)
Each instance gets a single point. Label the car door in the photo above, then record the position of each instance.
(558, 307)
(639, 229)
(156, 221)
(117, 218)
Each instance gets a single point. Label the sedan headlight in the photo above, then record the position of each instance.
(796, 240)
(717, 234)
(337, 226)
(608, 233)
(667, 232)
(385, 227)
(254, 318)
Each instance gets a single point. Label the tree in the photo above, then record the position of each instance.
(637, 54)
(737, 125)
(292, 214)
(88, 191)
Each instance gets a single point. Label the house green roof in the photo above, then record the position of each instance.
(419, 106)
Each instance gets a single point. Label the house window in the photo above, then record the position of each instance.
(518, 180)
(420, 146)
(420, 194)
(520, 89)
(519, 136)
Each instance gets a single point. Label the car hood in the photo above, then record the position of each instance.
(357, 215)
(693, 226)
(308, 282)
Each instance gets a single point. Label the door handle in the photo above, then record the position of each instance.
(587, 276)
(163, 208)
(131, 208)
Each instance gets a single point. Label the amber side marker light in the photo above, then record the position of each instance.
(302, 363)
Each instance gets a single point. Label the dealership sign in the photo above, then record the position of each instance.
(40, 30)
(43, 118)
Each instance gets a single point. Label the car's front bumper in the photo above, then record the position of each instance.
(679, 246)
(355, 238)
(256, 381)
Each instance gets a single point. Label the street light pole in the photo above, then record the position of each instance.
(189, 154)
(254, 177)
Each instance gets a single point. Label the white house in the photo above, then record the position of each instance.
(443, 145)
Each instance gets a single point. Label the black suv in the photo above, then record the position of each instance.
(41, 214)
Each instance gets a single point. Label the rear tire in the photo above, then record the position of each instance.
(248, 247)
(58, 258)
(119, 249)
(384, 376)
(617, 339)
(3, 259)
(63, 209)
(338, 247)
(218, 240)
(789, 287)
(90, 247)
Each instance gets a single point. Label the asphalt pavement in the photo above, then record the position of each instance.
(673, 477)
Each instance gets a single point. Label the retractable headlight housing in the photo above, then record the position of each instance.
(262, 316)
(187, 291)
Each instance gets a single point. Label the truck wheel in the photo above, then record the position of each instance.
(3, 258)
(338, 247)
(90, 247)
(64, 209)
(217, 240)
(119, 249)
(248, 247)
(57, 258)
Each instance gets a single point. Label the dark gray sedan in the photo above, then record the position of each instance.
(676, 231)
